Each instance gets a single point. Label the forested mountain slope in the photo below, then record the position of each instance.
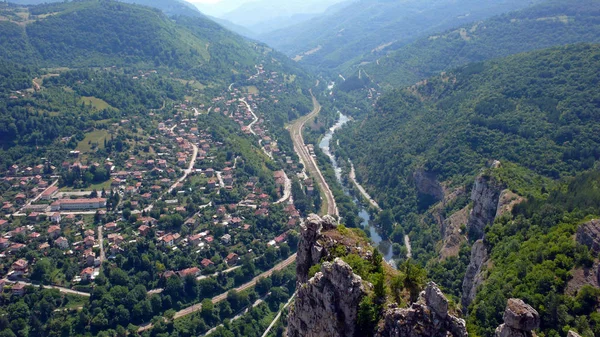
(373, 26)
(105, 34)
(545, 25)
(169, 7)
(538, 110)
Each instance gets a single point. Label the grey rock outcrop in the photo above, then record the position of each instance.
(573, 334)
(309, 249)
(428, 184)
(485, 195)
(588, 234)
(519, 320)
(327, 305)
(453, 237)
(507, 201)
(427, 317)
(473, 276)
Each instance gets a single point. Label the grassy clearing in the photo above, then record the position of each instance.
(253, 90)
(96, 103)
(192, 84)
(91, 138)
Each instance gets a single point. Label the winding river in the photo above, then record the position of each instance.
(384, 246)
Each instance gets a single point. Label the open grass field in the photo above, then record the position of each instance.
(96, 103)
(94, 137)
(251, 90)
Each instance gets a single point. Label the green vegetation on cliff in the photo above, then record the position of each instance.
(538, 110)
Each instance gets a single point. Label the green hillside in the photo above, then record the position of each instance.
(538, 110)
(169, 7)
(109, 33)
(545, 25)
(335, 40)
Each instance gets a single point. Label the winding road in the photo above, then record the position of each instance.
(197, 307)
(361, 189)
(307, 160)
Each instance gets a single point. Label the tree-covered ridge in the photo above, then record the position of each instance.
(356, 31)
(539, 110)
(534, 254)
(552, 23)
(108, 33)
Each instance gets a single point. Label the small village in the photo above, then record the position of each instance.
(179, 189)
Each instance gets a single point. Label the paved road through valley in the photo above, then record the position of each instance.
(307, 160)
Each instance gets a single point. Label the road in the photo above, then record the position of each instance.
(182, 178)
(253, 114)
(61, 289)
(188, 170)
(307, 160)
(362, 189)
(278, 315)
(197, 307)
(287, 190)
(101, 243)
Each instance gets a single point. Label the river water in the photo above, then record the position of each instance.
(384, 246)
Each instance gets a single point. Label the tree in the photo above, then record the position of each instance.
(414, 278)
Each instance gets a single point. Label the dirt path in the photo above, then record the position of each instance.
(307, 160)
(278, 315)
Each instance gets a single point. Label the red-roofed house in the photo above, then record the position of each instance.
(206, 263)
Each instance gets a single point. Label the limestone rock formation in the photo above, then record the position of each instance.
(519, 320)
(427, 317)
(309, 250)
(573, 334)
(327, 305)
(588, 234)
(451, 231)
(507, 201)
(428, 184)
(473, 276)
(485, 195)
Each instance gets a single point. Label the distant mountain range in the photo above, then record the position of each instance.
(344, 36)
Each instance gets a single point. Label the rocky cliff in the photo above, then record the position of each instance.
(519, 320)
(485, 196)
(427, 317)
(473, 276)
(588, 234)
(327, 305)
(428, 184)
(310, 246)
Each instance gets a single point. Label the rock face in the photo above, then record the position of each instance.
(451, 231)
(519, 320)
(485, 195)
(507, 201)
(309, 250)
(573, 334)
(427, 317)
(428, 184)
(327, 305)
(473, 276)
(588, 234)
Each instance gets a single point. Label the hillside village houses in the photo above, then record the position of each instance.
(217, 231)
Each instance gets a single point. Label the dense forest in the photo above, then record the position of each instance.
(534, 258)
(538, 110)
(111, 33)
(354, 32)
(548, 24)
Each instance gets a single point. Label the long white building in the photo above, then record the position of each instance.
(78, 204)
